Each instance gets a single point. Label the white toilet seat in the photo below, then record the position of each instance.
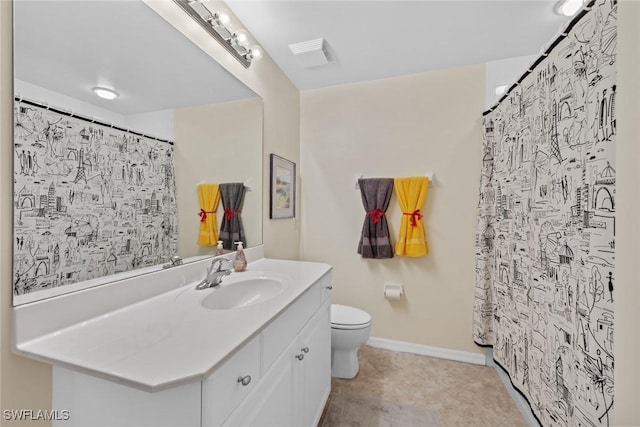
(347, 318)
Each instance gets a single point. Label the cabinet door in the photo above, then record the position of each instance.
(271, 403)
(224, 390)
(315, 368)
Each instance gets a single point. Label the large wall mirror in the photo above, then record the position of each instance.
(101, 186)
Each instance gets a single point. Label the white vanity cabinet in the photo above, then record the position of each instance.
(293, 388)
(296, 387)
(281, 376)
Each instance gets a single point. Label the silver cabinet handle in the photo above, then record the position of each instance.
(244, 380)
(305, 349)
(329, 287)
(299, 356)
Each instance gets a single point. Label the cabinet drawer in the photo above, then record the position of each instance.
(223, 391)
(286, 326)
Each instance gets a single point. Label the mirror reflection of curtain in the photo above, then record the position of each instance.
(94, 200)
(232, 230)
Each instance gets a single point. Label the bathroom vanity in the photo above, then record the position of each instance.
(233, 355)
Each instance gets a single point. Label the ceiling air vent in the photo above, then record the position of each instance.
(312, 53)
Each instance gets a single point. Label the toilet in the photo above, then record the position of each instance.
(350, 328)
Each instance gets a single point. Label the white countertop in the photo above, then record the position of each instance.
(169, 339)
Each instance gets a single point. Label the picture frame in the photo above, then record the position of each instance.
(282, 188)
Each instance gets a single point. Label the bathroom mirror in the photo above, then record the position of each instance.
(168, 91)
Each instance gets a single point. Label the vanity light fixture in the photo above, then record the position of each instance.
(221, 18)
(242, 38)
(218, 25)
(105, 93)
(256, 52)
(568, 7)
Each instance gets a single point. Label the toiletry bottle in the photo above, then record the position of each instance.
(220, 249)
(240, 262)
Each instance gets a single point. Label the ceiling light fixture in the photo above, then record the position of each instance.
(569, 7)
(105, 93)
(500, 90)
(217, 24)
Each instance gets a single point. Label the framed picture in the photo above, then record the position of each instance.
(283, 188)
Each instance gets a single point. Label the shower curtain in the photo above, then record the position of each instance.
(90, 199)
(545, 240)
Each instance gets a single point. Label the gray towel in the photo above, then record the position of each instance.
(231, 229)
(374, 242)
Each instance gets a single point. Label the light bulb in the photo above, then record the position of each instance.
(242, 38)
(569, 7)
(224, 18)
(105, 93)
(500, 90)
(256, 52)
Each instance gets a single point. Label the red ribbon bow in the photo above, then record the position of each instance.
(376, 214)
(415, 217)
(229, 213)
(203, 214)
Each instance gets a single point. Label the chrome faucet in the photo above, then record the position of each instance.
(175, 260)
(214, 276)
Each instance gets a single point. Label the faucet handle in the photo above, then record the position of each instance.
(217, 265)
(173, 261)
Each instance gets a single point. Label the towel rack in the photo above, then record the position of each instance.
(430, 174)
(248, 183)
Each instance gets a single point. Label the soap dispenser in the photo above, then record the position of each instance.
(220, 248)
(240, 262)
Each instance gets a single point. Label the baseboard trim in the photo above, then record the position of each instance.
(427, 350)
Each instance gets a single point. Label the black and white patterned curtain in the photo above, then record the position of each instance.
(545, 276)
(90, 199)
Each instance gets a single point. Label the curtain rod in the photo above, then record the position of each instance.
(70, 113)
(545, 54)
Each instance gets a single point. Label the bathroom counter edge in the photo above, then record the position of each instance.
(112, 346)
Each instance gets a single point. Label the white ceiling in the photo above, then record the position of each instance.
(378, 39)
(71, 46)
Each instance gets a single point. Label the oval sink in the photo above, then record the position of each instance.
(241, 294)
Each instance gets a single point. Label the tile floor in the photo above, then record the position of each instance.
(406, 390)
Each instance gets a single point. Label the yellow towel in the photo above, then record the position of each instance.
(209, 195)
(411, 193)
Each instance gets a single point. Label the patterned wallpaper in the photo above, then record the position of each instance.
(545, 282)
(89, 200)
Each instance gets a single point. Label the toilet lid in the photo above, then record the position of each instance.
(344, 315)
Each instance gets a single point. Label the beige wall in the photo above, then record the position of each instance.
(398, 127)
(26, 384)
(627, 291)
(281, 120)
(218, 143)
